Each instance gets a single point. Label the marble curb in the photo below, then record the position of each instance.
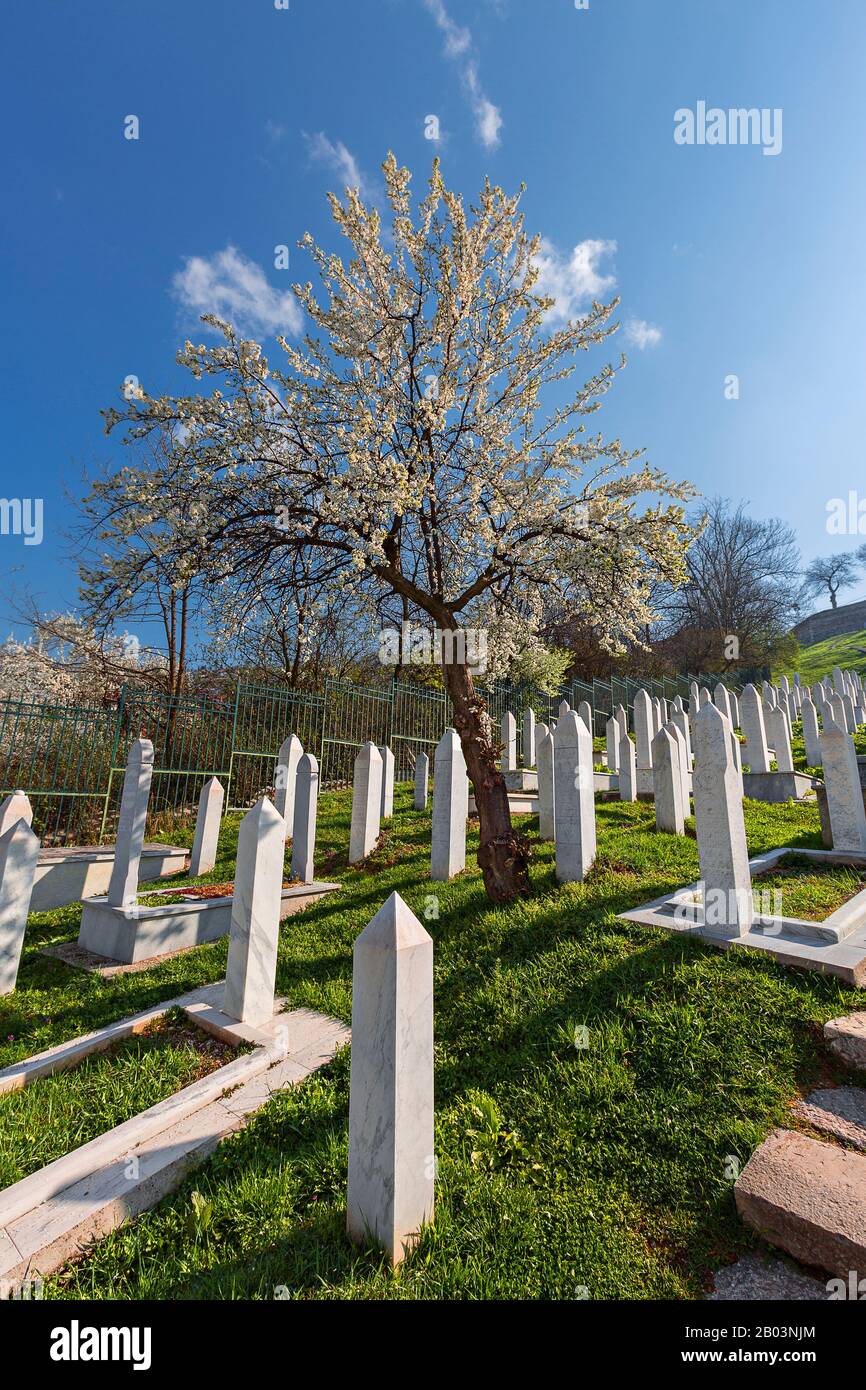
(126, 936)
(69, 1054)
(50, 1217)
(67, 875)
(836, 946)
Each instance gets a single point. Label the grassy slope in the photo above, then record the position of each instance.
(847, 651)
(606, 1166)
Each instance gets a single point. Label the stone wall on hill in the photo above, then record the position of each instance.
(831, 622)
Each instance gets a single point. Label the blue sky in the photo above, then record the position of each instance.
(728, 261)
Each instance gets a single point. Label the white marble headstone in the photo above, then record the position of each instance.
(207, 828)
(391, 1155)
(19, 850)
(255, 922)
(123, 885)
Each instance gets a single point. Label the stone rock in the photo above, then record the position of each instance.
(846, 1037)
(840, 1111)
(809, 1199)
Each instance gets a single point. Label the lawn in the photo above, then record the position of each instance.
(847, 652)
(598, 1084)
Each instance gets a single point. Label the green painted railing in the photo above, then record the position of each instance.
(70, 759)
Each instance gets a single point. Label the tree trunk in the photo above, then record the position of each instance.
(503, 855)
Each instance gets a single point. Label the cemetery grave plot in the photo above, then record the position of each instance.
(810, 889)
(50, 1214)
(55, 1114)
(121, 928)
(807, 889)
(692, 1055)
(199, 890)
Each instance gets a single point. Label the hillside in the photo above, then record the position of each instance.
(816, 661)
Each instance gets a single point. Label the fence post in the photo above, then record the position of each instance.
(323, 760)
(115, 744)
(228, 797)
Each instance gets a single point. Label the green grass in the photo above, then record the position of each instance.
(817, 661)
(58, 1113)
(607, 1167)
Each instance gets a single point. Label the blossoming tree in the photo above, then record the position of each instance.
(423, 442)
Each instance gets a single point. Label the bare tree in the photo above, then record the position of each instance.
(832, 573)
(130, 567)
(742, 594)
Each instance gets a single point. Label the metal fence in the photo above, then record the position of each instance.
(70, 759)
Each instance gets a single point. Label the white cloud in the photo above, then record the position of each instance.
(642, 334)
(457, 40)
(336, 156)
(458, 47)
(235, 289)
(488, 121)
(576, 281)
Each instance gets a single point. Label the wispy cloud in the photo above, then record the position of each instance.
(458, 47)
(573, 281)
(334, 155)
(642, 334)
(274, 130)
(236, 289)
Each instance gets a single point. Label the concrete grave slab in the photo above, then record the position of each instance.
(66, 876)
(140, 933)
(836, 946)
